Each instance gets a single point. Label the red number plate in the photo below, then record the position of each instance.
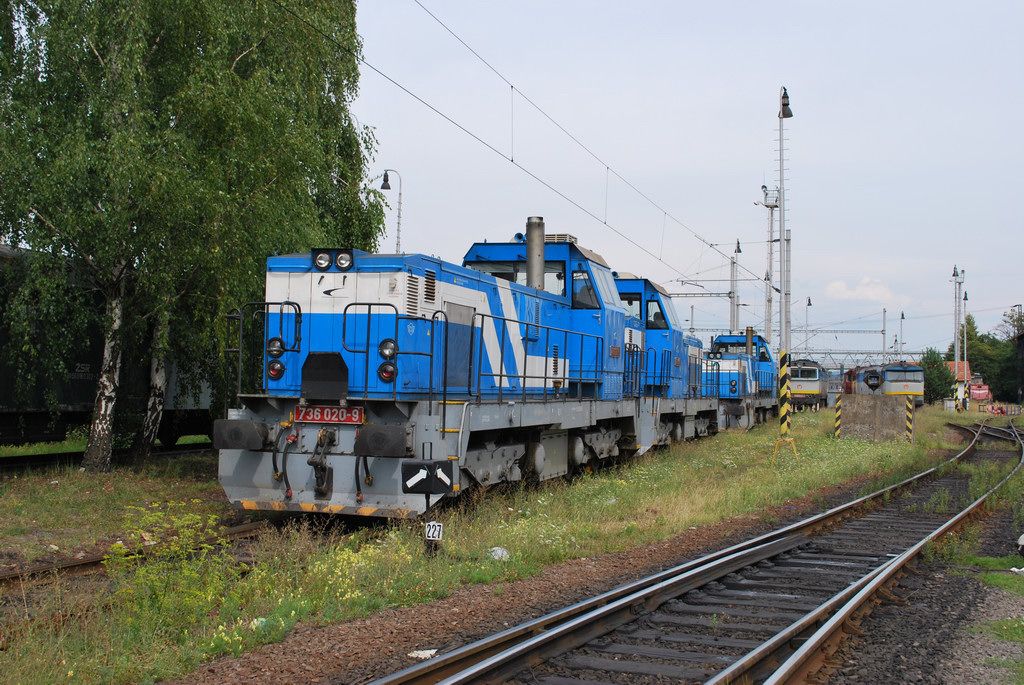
(313, 414)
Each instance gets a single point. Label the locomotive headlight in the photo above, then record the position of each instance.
(344, 260)
(322, 260)
(275, 370)
(388, 348)
(275, 347)
(387, 372)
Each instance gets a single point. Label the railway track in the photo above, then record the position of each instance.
(29, 462)
(765, 610)
(94, 562)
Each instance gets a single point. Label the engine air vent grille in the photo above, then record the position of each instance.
(412, 296)
(430, 287)
(560, 238)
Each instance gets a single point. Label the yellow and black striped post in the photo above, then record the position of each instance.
(785, 407)
(839, 417)
(785, 398)
(910, 419)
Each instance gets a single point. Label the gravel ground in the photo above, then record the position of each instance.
(935, 637)
(358, 651)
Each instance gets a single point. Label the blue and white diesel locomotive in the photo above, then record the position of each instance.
(391, 381)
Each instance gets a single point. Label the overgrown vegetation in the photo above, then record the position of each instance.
(162, 618)
(72, 511)
(938, 379)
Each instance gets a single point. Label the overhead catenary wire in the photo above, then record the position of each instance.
(507, 157)
(609, 169)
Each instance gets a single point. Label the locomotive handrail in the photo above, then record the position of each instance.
(237, 314)
(398, 317)
(633, 371)
(585, 375)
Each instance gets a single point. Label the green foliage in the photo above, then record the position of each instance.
(994, 355)
(938, 379)
(184, 571)
(170, 147)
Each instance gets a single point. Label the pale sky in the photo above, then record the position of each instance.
(904, 154)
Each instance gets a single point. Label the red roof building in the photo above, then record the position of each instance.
(962, 372)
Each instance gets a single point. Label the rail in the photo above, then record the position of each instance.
(503, 654)
(800, 664)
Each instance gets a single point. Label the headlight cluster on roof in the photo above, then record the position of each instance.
(323, 259)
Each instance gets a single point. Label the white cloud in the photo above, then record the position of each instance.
(869, 289)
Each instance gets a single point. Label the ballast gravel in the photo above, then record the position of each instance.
(938, 636)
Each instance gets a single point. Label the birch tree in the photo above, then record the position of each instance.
(168, 147)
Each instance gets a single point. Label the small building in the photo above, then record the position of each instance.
(961, 370)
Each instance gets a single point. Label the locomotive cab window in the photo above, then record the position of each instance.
(632, 304)
(583, 294)
(515, 272)
(905, 376)
(655, 316)
(805, 373)
(763, 356)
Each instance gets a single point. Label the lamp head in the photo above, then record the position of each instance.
(738, 250)
(386, 185)
(784, 111)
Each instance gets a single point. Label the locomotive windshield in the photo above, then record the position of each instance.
(631, 301)
(805, 373)
(905, 375)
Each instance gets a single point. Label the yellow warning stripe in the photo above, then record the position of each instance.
(311, 507)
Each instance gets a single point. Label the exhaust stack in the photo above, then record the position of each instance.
(750, 340)
(535, 252)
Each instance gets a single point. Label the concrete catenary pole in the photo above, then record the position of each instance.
(770, 203)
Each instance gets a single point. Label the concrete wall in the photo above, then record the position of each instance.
(874, 417)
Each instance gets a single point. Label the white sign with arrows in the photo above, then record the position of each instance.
(416, 478)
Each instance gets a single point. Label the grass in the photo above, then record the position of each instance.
(75, 442)
(162, 618)
(74, 510)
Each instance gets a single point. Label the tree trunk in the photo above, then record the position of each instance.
(101, 432)
(157, 387)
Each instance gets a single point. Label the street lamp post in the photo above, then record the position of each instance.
(807, 326)
(386, 185)
(902, 341)
(734, 306)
